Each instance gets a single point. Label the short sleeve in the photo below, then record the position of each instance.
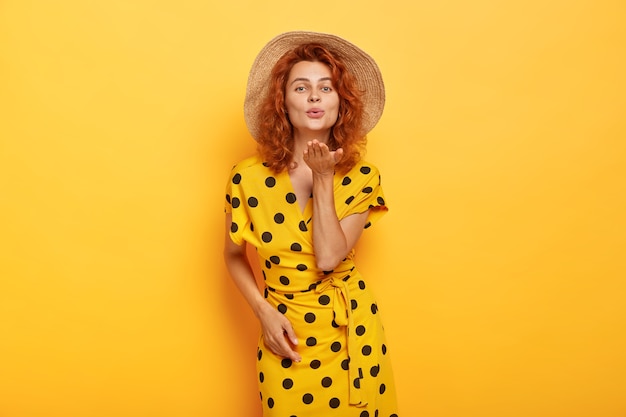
(366, 193)
(234, 206)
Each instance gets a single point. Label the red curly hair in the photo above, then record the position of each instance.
(275, 141)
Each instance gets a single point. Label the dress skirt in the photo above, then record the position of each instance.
(345, 369)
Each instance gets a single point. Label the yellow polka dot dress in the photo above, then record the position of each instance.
(345, 369)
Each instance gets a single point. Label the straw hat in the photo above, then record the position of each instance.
(360, 64)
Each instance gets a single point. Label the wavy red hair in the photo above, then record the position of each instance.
(275, 139)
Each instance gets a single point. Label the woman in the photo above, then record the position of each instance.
(303, 202)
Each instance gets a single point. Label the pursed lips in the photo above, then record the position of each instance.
(315, 113)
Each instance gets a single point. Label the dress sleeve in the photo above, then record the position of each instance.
(234, 205)
(367, 195)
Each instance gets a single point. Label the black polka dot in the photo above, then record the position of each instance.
(284, 280)
(291, 198)
(381, 201)
(357, 382)
(270, 402)
(301, 267)
(228, 198)
(236, 202)
(311, 341)
(234, 227)
(374, 308)
(279, 218)
(334, 402)
(296, 247)
(354, 304)
(334, 324)
(253, 202)
(287, 383)
(346, 181)
(282, 308)
(307, 398)
(366, 350)
(362, 284)
(259, 354)
(270, 182)
(365, 170)
(309, 317)
(335, 347)
(364, 414)
(360, 330)
(327, 381)
(289, 296)
(302, 226)
(286, 363)
(315, 364)
(261, 376)
(374, 371)
(237, 178)
(275, 259)
(384, 349)
(324, 300)
(382, 388)
(267, 237)
(345, 364)
(349, 199)
(367, 190)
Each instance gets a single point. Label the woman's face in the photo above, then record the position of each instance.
(310, 99)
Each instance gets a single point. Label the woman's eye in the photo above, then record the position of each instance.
(326, 89)
(300, 89)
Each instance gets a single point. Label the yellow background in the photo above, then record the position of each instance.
(500, 269)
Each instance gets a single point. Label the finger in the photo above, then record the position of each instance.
(338, 155)
(291, 335)
(287, 351)
(309, 149)
(314, 148)
(281, 347)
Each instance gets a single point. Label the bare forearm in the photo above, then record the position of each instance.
(329, 241)
(243, 277)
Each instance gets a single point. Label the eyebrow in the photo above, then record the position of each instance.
(307, 80)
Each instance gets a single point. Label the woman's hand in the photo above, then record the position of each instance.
(278, 333)
(320, 158)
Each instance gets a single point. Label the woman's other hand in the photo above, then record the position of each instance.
(278, 333)
(320, 158)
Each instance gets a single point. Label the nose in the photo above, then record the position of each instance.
(314, 98)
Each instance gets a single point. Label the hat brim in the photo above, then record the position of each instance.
(360, 64)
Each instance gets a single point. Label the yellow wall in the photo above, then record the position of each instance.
(500, 269)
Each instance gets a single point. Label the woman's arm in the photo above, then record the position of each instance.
(332, 239)
(275, 326)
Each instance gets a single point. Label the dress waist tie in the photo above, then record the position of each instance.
(342, 313)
